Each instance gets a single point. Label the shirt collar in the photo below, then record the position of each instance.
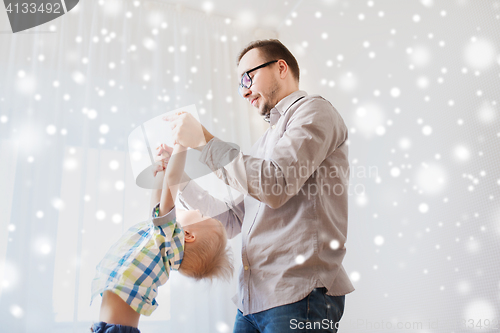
(175, 253)
(287, 101)
(284, 105)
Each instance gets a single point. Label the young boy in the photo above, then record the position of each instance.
(140, 261)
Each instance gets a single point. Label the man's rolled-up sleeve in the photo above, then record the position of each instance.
(312, 133)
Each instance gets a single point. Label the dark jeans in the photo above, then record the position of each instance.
(317, 312)
(102, 327)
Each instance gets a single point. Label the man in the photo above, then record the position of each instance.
(293, 218)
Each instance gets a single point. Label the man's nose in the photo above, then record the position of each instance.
(245, 92)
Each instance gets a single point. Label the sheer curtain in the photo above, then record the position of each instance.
(70, 93)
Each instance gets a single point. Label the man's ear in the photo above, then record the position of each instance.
(283, 68)
(189, 237)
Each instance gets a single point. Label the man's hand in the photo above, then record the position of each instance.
(187, 131)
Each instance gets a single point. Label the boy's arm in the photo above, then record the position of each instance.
(156, 193)
(163, 154)
(173, 178)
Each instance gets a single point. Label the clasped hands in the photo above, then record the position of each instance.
(186, 132)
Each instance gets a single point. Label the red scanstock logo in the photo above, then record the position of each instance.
(26, 14)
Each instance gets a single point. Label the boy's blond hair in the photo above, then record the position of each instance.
(208, 257)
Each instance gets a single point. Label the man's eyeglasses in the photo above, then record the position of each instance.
(246, 80)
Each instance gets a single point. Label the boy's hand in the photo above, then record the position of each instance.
(163, 154)
(158, 167)
(164, 151)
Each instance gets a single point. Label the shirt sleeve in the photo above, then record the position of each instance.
(168, 218)
(193, 196)
(312, 133)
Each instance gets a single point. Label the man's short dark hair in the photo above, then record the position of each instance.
(273, 49)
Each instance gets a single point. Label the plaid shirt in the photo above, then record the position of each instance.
(140, 261)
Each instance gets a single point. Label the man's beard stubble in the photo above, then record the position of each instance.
(271, 102)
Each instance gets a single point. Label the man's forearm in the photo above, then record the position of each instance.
(229, 212)
(208, 137)
(185, 179)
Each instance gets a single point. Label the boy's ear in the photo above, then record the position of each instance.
(189, 237)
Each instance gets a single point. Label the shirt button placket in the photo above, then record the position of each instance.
(246, 267)
(245, 299)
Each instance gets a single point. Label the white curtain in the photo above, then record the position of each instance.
(71, 91)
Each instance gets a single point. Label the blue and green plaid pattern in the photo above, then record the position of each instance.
(140, 261)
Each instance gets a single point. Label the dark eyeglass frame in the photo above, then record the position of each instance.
(249, 78)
